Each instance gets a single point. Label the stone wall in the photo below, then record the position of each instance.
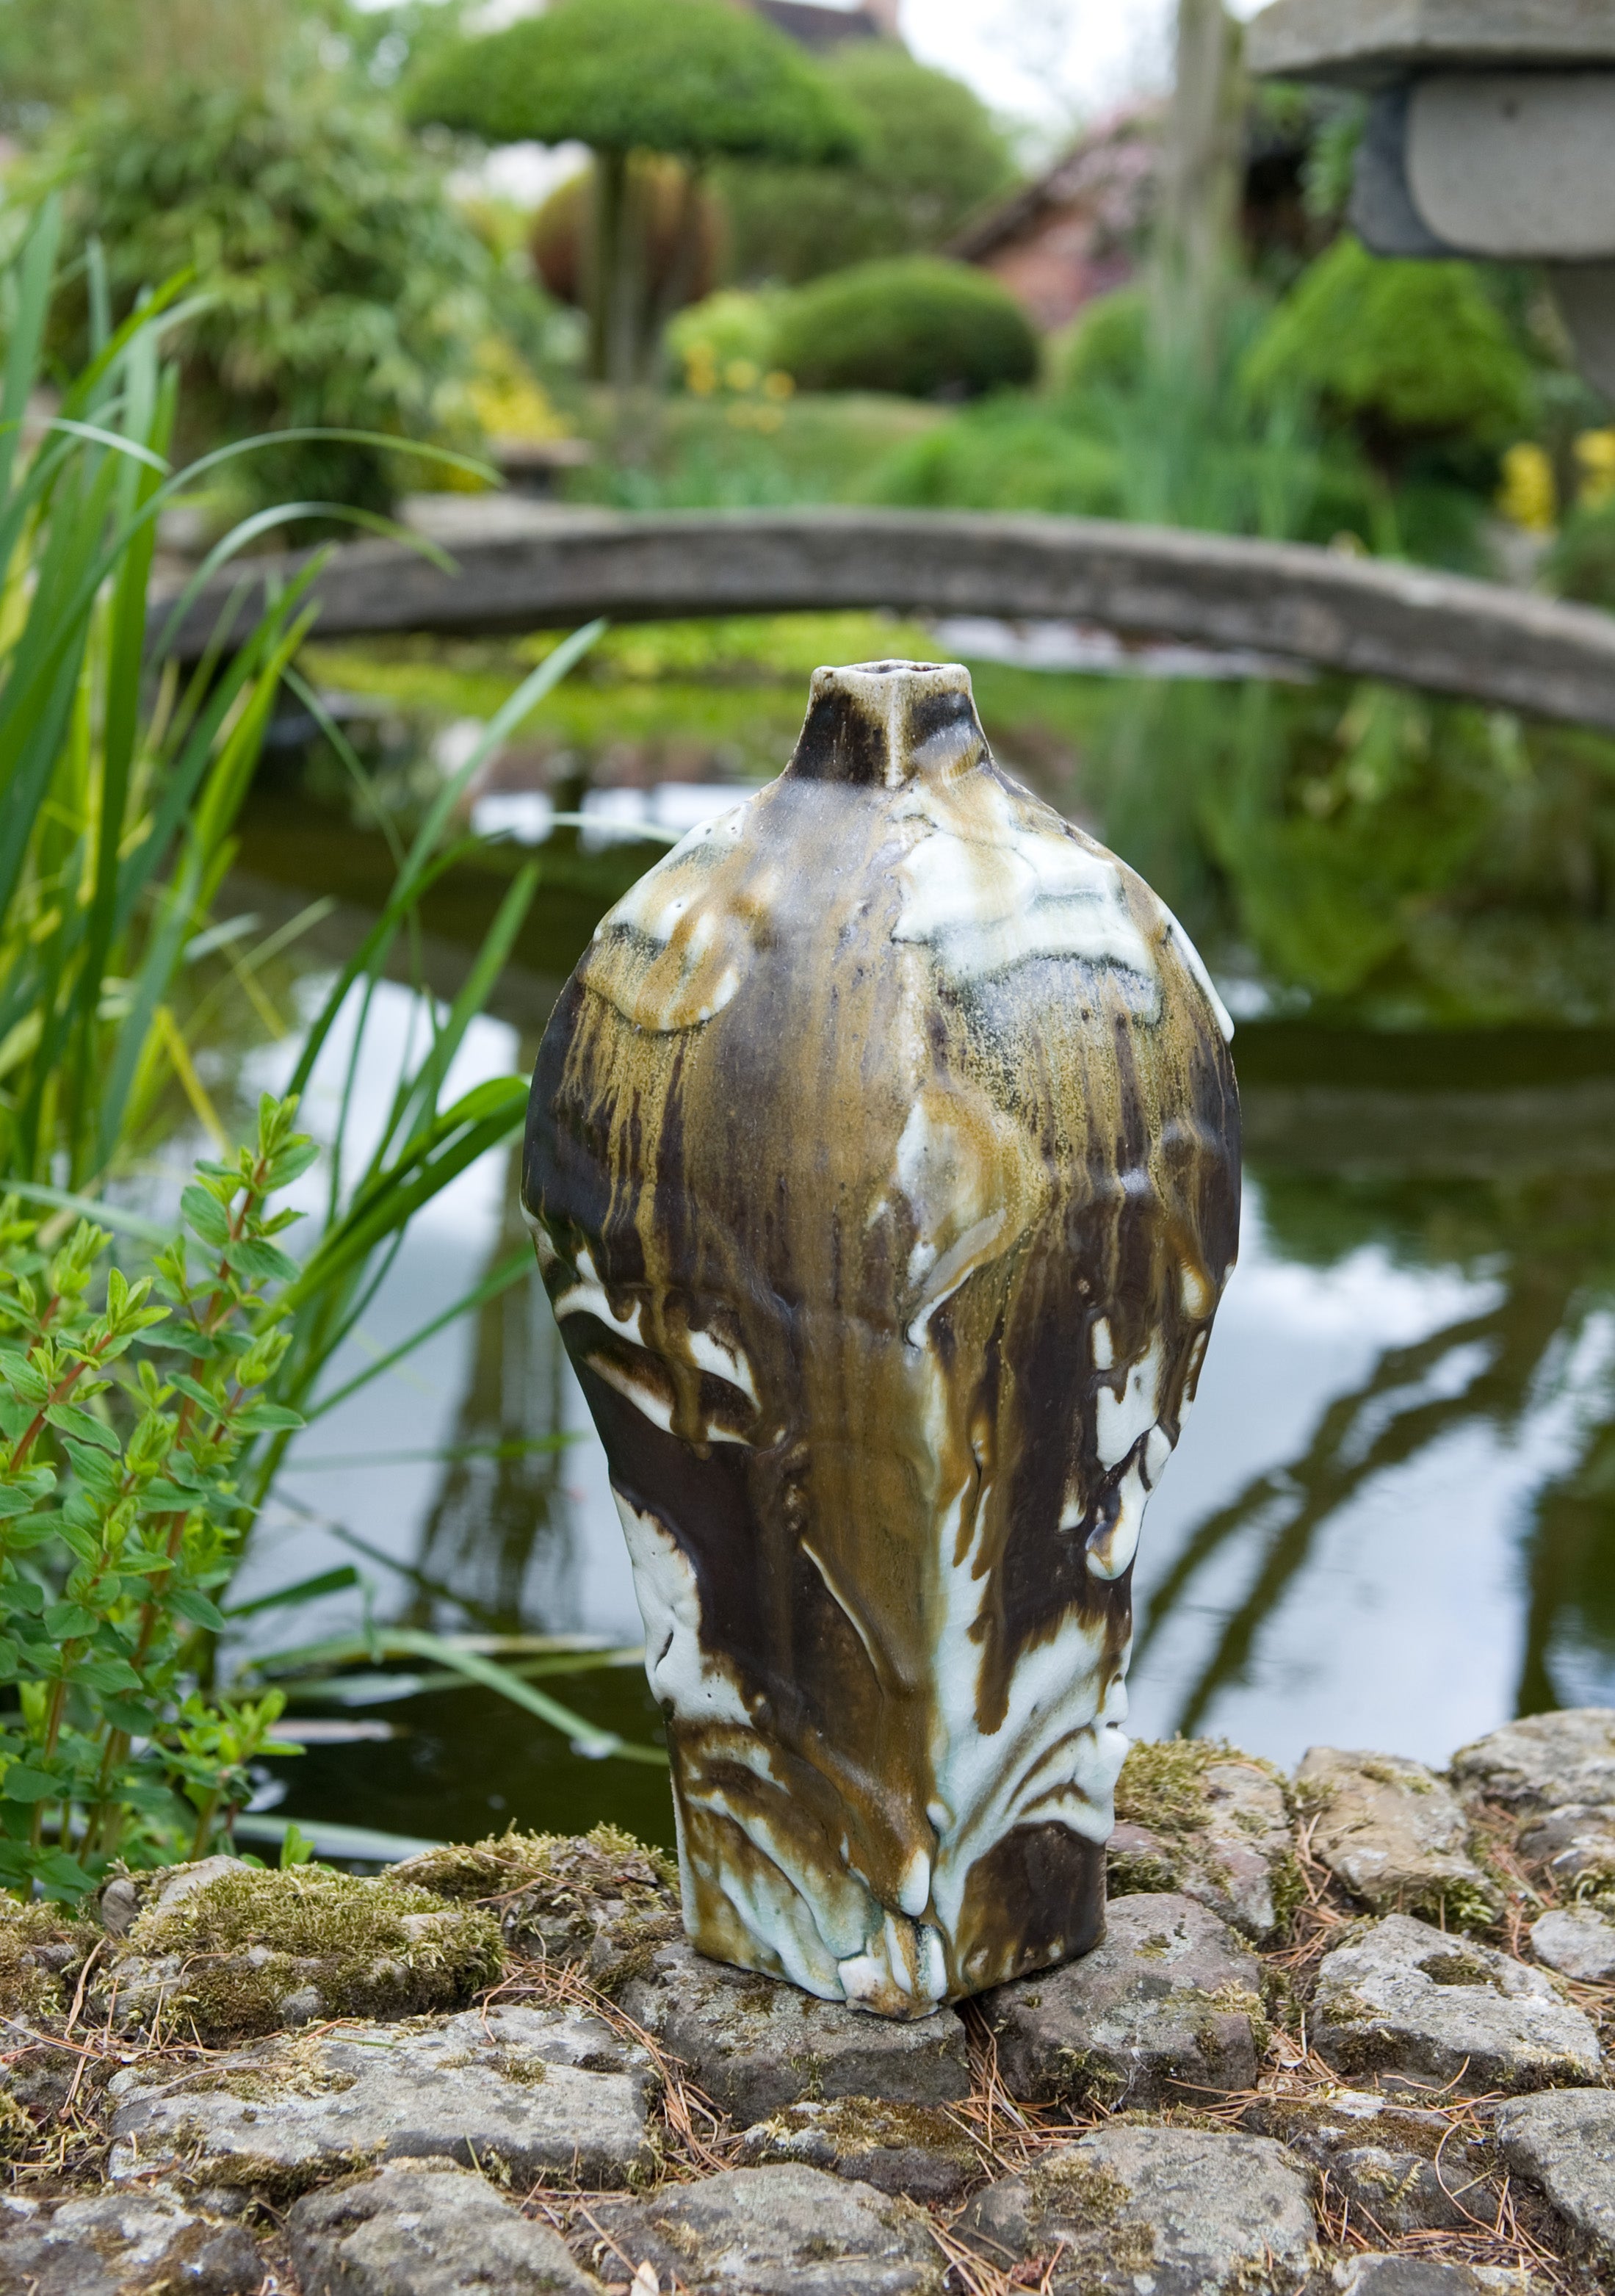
(1349, 2031)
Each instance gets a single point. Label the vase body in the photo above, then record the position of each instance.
(884, 1166)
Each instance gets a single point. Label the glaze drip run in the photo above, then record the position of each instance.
(883, 1159)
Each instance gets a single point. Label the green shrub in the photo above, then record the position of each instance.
(1011, 453)
(1581, 563)
(1152, 437)
(1109, 346)
(124, 1408)
(931, 155)
(681, 76)
(341, 287)
(729, 327)
(1409, 350)
(913, 323)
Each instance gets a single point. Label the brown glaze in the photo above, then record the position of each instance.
(883, 1164)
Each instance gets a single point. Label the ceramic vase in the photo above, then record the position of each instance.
(884, 1166)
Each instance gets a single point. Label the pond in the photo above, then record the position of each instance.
(1390, 1522)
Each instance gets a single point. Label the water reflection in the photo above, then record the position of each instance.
(1391, 1519)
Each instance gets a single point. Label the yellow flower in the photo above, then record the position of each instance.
(1595, 453)
(1527, 495)
(778, 384)
(741, 374)
(506, 399)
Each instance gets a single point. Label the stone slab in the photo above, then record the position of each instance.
(1516, 165)
(1403, 2167)
(1542, 1761)
(1161, 2011)
(1577, 1942)
(1575, 1842)
(1405, 2000)
(789, 2231)
(1403, 2193)
(112, 2242)
(544, 2094)
(1565, 2141)
(1178, 2212)
(1368, 43)
(897, 2148)
(1392, 1833)
(421, 2229)
(1392, 2274)
(755, 2044)
(1237, 1856)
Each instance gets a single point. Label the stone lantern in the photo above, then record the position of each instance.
(1490, 133)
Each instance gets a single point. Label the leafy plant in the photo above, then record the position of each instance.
(341, 288)
(124, 1412)
(911, 323)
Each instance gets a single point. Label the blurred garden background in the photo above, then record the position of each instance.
(454, 264)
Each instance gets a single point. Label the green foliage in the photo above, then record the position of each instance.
(371, 1948)
(690, 76)
(1144, 432)
(1581, 563)
(911, 323)
(125, 1409)
(341, 289)
(120, 782)
(1013, 454)
(1406, 861)
(1141, 429)
(730, 326)
(59, 51)
(1109, 346)
(1403, 348)
(931, 154)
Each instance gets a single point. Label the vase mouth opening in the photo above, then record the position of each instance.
(882, 724)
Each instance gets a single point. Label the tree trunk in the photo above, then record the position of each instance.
(605, 259)
(679, 283)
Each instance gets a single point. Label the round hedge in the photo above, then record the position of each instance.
(915, 323)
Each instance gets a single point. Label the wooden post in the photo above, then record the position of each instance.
(1200, 171)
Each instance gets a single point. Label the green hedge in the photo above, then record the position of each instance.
(917, 324)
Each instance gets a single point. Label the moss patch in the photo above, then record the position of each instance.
(1077, 2189)
(248, 1941)
(601, 1897)
(1162, 1782)
(37, 1944)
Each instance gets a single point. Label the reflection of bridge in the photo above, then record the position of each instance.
(1366, 617)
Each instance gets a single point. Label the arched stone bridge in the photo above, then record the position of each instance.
(1366, 617)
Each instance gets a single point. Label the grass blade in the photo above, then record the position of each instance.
(586, 1738)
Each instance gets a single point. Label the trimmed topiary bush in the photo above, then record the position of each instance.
(916, 325)
(932, 156)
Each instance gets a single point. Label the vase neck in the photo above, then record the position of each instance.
(880, 725)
